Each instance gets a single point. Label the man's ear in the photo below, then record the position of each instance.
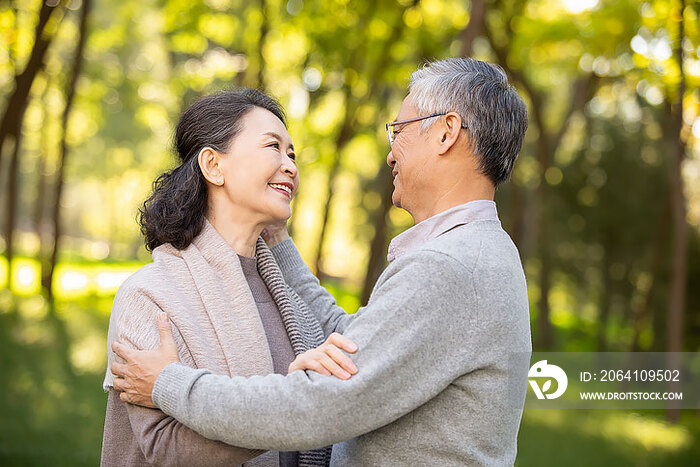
(449, 128)
(208, 160)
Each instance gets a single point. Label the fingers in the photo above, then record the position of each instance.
(167, 342)
(331, 366)
(131, 395)
(341, 359)
(328, 359)
(118, 369)
(119, 384)
(135, 399)
(306, 361)
(342, 342)
(122, 351)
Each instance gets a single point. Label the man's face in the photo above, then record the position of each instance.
(408, 159)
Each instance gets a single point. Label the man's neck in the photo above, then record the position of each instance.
(449, 200)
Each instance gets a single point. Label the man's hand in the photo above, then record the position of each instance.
(275, 233)
(137, 375)
(327, 358)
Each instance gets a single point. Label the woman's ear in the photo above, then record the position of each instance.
(208, 160)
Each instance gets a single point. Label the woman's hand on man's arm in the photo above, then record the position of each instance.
(327, 359)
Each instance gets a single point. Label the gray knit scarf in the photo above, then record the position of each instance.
(302, 327)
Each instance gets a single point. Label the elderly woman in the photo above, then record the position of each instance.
(213, 275)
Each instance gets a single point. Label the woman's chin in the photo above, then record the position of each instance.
(281, 215)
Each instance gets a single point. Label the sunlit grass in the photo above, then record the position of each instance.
(71, 280)
(52, 407)
(606, 437)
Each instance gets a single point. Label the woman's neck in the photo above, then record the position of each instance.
(242, 234)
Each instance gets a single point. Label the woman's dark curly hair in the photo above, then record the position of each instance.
(174, 213)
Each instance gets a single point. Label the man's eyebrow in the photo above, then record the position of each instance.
(278, 137)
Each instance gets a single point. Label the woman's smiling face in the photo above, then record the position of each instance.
(259, 170)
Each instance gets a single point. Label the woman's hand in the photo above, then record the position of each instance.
(275, 233)
(328, 359)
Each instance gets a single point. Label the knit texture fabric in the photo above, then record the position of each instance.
(443, 355)
(216, 325)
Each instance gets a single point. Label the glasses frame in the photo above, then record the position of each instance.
(390, 126)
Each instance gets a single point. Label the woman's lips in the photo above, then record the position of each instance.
(285, 190)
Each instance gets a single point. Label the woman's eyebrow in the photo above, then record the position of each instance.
(278, 137)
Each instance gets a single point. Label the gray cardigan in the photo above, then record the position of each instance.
(216, 326)
(444, 347)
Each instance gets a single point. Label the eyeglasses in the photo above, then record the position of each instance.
(391, 134)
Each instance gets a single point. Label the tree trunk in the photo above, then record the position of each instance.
(17, 102)
(477, 14)
(351, 107)
(541, 233)
(604, 306)
(40, 214)
(679, 269)
(11, 203)
(340, 142)
(47, 280)
(378, 247)
(11, 124)
(641, 311)
(264, 29)
(547, 144)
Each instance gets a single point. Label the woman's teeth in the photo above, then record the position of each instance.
(284, 188)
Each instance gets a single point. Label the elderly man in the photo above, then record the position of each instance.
(437, 382)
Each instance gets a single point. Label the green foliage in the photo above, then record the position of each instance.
(599, 185)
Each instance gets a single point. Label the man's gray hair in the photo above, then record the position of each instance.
(491, 109)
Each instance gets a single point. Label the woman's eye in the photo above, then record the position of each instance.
(274, 145)
(292, 156)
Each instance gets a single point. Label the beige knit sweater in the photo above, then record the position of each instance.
(216, 325)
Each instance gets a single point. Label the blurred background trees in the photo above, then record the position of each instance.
(604, 202)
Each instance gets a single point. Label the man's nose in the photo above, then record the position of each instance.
(390, 159)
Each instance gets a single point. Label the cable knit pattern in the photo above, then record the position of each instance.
(303, 329)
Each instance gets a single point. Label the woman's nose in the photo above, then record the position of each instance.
(390, 161)
(289, 168)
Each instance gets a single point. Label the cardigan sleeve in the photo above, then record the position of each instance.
(162, 439)
(300, 278)
(165, 441)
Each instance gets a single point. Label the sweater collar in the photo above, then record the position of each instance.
(224, 293)
(438, 224)
(215, 250)
(226, 262)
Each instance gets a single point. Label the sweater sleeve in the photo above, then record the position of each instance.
(423, 312)
(162, 439)
(165, 441)
(300, 278)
